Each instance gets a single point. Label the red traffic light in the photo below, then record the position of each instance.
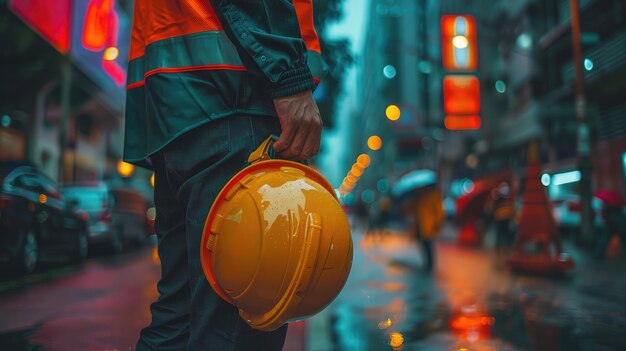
(458, 43)
(461, 95)
(462, 122)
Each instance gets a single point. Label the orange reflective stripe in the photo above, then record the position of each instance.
(135, 85)
(156, 20)
(210, 67)
(304, 10)
(195, 68)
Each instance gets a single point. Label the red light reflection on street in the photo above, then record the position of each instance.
(472, 327)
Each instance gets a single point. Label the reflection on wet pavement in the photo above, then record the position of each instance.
(101, 306)
(472, 302)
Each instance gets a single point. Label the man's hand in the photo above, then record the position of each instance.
(301, 126)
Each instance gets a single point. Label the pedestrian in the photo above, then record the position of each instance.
(503, 211)
(379, 223)
(615, 225)
(208, 81)
(426, 214)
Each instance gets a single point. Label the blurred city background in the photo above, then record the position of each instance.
(478, 147)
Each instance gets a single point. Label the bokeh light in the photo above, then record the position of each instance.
(125, 169)
(460, 42)
(382, 185)
(374, 142)
(389, 72)
(588, 64)
(467, 186)
(471, 161)
(151, 213)
(396, 340)
(6, 121)
(500, 86)
(363, 160)
(367, 196)
(384, 324)
(392, 112)
(356, 170)
(111, 53)
(545, 179)
(524, 41)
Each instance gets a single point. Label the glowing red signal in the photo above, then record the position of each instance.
(458, 43)
(462, 122)
(461, 95)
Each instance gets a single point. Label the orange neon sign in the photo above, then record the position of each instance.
(461, 95)
(462, 122)
(458, 43)
(101, 25)
(100, 34)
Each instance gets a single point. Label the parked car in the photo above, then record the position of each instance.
(116, 216)
(566, 207)
(35, 219)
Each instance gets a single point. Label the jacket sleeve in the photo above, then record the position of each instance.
(267, 36)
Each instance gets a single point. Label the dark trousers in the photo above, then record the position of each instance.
(189, 174)
(504, 237)
(429, 253)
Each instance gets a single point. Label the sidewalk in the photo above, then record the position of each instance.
(470, 302)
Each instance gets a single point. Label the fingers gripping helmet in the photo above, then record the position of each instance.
(276, 242)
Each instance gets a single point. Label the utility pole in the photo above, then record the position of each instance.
(584, 162)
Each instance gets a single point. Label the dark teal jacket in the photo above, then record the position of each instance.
(193, 61)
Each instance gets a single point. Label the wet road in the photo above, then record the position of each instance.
(99, 305)
(472, 302)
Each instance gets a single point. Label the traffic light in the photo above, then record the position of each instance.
(462, 122)
(461, 95)
(461, 102)
(458, 43)
(461, 92)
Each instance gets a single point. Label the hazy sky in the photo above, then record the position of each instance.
(353, 23)
(333, 162)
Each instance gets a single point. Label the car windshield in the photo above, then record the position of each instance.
(87, 198)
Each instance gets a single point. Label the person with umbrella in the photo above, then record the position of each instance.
(613, 216)
(422, 202)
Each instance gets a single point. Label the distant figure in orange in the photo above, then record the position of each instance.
(427, 214)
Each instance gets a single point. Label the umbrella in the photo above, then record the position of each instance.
(610, 197)
(473, 202)
(412, 181)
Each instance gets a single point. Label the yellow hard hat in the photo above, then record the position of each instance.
(276, 242)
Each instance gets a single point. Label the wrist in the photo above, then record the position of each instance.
(293, 82)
